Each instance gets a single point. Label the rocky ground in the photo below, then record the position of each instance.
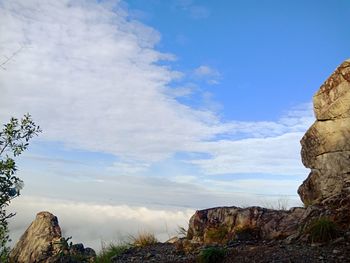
(247, 251)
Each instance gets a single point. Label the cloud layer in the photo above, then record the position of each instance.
(94, 224)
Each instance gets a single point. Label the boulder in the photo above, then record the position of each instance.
(43, 242)
(326, 145)
(220, 224)
(36, 244)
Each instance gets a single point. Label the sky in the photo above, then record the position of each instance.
(153, 109)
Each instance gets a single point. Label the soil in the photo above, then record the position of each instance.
(248, 251)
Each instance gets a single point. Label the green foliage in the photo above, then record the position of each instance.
(63, 246)
(110, 251)
(211, 255)
(4, 238)
(322, 230)
(218, 234)
(14, 139)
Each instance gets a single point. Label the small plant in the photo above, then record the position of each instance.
(181, 232)
(322, 230)
(280, 204)
(144, 239)
(63, 246)
(110, 251)
(218, 234)
(211, 255)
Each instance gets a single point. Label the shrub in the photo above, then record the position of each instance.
(211, 255)
(218, 234)
(14, 139)
(322, 230)
(110, 251)
(144, 239)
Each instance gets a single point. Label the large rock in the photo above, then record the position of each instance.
(225, 223)
(43, 242)
(36, 244)
(326, 145)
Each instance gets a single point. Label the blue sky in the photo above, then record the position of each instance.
(152, 109)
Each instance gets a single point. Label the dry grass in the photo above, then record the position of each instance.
(143, 239)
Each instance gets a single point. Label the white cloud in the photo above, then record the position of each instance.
(264, 147)
(194, 11)
(205, 71)
(90, 78)
(210, 74)
(127, 168)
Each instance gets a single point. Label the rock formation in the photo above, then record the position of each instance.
(43, 242)
(224, 223)
(325, 193)
(326, 145)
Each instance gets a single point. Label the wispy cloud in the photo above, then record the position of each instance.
(194, 10)
(90, 77)
(259, 147)
(210, 74)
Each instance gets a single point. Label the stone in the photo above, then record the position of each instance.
(326, 145)
(233, 221)
(36, 244)
(43, 242)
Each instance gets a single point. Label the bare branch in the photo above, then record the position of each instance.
(2, 64)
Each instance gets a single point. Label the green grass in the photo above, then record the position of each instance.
(110, 251)
(211, 255)
(218, 234)
(322, 230)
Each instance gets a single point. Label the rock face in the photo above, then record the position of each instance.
(36, 242)
(43, 242)
(224, 223)
(326, 145)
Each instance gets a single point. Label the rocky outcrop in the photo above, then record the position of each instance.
(326, 145)
(225, 223)
(43, 242)
(325, 193)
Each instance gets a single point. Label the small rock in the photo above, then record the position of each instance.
(316, 244)
(336, 251)
(338, 240)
